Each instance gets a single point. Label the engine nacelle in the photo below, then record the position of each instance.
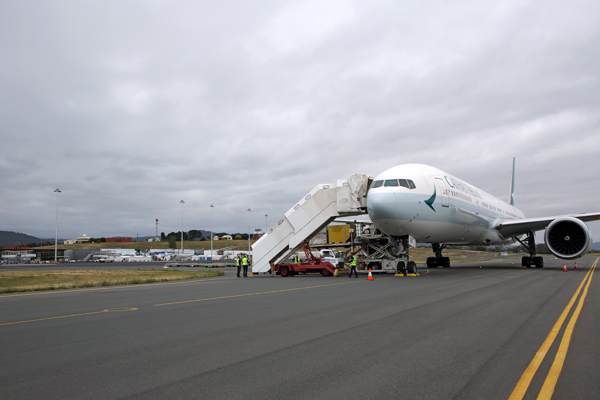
(568, 238)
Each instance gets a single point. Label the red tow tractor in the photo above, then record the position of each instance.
(313, 264)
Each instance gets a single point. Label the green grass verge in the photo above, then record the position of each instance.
(27, 281)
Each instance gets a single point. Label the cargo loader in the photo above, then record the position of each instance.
(380, 253)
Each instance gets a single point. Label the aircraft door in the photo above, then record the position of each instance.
(443, 190)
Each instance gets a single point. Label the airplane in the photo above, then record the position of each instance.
(436, 207)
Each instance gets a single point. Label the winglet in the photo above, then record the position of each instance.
(511, 196)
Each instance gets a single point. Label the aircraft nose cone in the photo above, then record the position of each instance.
(381, 204)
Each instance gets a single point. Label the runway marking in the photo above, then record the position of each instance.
(40, 293)
(255, 294)
(559, 360)
(72, 315)
(523, 384)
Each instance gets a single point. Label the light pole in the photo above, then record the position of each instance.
(266, 223)
(212, 208)
(249, 232)
(57, 191)
(182, 203)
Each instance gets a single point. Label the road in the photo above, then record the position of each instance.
(467, 332)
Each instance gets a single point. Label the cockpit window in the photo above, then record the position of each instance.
(406, 183)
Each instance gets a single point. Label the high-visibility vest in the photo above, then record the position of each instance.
(244, 261)
(237, 261)
(296, 259)
(353, 262)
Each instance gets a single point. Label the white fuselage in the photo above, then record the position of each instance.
(435, 207)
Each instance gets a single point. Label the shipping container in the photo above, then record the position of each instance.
(340, 233)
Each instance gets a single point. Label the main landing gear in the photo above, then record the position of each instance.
(531, 260)
(438, 260)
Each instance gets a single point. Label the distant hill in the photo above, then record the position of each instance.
(10, 239)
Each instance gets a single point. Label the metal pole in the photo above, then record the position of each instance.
(212, 207)
(249, 232)
(57, 191)
(266, 223)
(182, 203)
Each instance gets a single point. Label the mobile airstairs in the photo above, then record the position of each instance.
(312, 213)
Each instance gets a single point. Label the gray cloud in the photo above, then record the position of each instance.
(129, 107)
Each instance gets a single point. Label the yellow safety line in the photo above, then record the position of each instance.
(254, 294)
(523, 384)
(72, 315)
(178, 282)
(559, 360)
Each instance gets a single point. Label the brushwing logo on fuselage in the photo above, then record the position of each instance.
(430, 200)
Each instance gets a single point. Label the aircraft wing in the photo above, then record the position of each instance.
(516, 227)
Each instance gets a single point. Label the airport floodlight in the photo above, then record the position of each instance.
(57, 191)
(266, 223)
(249, 232)
(212, 207)
(182, 203)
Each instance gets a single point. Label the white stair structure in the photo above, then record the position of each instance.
(312, 213)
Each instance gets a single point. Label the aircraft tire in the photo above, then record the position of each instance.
(400, 267)
(431, 262)
(446, 262)
(526, 262)
(539, 262)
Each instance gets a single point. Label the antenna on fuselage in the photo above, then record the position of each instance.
(511, 196)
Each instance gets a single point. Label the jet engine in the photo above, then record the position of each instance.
(568, 238)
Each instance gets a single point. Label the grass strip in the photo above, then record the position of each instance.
(27, 281)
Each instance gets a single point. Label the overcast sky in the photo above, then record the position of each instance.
(131, 106)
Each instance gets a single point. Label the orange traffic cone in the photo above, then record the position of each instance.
(565, 267)
(165, 266)
(575, 265)
(370, 275)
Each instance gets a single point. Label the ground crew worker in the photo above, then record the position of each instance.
(245, 265)
(353, 267)
(238, 264)
(297, 259)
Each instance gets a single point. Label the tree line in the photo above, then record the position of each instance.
(197, 235)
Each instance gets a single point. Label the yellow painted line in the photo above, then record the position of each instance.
(523, 384)
(72, 315)
(179, 282)
(559, 360)
(259, 293)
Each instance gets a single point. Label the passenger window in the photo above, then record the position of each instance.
(377, 184)
(411, 184)
(403, 183)
(391, 182)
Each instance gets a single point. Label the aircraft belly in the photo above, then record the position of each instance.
(440, 232)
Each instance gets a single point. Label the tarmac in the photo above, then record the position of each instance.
(466, 332)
